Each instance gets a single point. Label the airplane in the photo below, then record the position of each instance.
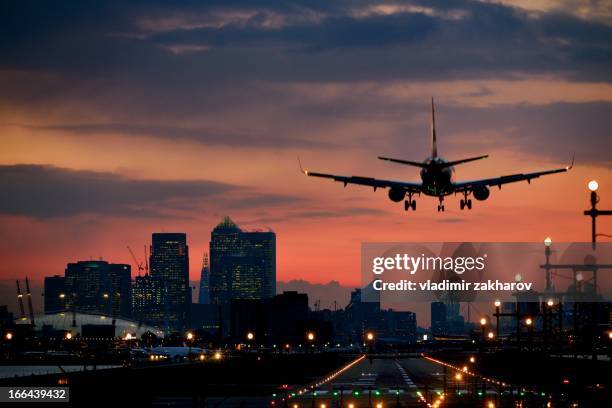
(437, 178)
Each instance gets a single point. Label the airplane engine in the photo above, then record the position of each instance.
(396, 194)
(481, 193)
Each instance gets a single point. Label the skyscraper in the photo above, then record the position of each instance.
(99, 287)
(204, 294)
(55, 294)
(148, 300)
(169, 263)
(242, 264)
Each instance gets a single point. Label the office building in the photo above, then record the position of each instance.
(169, 262)
(54, 294)
(98, 287)
(242, 264)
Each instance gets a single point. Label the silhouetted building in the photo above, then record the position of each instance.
(148, 300)
(289, 317)
(242, 264)
(99, 287)
(169, 263)
(55, 294)
(204, 294)
(438, 318)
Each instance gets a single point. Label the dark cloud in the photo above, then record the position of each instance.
(206, 136)
(46, 191)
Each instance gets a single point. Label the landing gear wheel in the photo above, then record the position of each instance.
(413, 205)
(442, 207)
(406, 205)
(462, 204)
(469, 204)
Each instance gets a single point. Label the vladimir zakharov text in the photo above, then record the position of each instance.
(444, 285)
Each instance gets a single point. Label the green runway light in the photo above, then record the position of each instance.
(377, 392)
(274, 395)
(543, 394)
(356, 393)
(335, 393)
(293, 394)
(480, 393)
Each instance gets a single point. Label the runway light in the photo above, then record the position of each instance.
(250, 336)
(610, 335)
(550, 303)
(189, 336)
(8, 336)
(68, 336)
(217, 356)
(491, 404)
(472, 359)
(202, 357)
(593, 185)
(548, 241)
(528, 321)
(490, 335)
(497, 303)
(458, 377)
(465, 368)
(379, 405)
(323, 405)
(351, 405)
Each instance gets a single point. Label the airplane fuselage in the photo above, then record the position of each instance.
(437, 179)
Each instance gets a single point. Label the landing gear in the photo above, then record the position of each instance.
(465, 202)
(441, 205)
(409, 203)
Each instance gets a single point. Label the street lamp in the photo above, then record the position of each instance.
(250, 336)
(8, 336)
(370, 336)
(528, 321)
(68, 335)
(483, 321)
(594, 212)
(472, 359)
(550, 303)
(310, 336)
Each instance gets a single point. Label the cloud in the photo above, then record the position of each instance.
(206, 136)
(47, 191)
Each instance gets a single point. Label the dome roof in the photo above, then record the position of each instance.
(63, 321)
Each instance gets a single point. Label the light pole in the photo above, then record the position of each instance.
(189, 341)
(497, 306)
(593, 212)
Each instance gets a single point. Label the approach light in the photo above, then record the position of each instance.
(593, 185)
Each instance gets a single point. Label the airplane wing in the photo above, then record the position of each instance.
(367, 181)
(512, 178)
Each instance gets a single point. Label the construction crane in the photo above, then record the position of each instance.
(136, 261)
(29, 295)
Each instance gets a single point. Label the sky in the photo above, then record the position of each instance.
(123, 118)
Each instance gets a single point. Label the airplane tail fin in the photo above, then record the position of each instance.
(434, 145)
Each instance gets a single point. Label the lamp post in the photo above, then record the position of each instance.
(189, 337)
(593, 212)
(497, 315)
